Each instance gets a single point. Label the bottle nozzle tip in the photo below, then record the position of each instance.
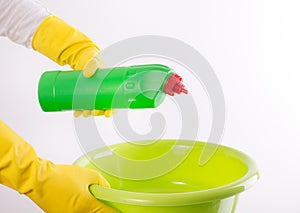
(185, 91)
(180, 88)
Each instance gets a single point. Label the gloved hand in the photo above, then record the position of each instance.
(64, 44)
(54, 188)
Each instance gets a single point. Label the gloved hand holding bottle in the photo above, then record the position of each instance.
(66, 45)
(54, 188)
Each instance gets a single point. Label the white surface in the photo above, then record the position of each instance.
(253, 47)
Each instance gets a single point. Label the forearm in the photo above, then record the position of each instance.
(30, 24)
(15, 160)
(19, 20)
(55, 188)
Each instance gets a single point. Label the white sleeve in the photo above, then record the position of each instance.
(19, 19)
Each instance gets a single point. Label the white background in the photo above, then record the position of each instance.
(254, 48)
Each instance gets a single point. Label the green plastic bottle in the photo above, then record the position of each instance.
(135, 87)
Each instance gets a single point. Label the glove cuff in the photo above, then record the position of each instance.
(18, 161)
(63, 43)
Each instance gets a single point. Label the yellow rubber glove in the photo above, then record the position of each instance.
(54, 188)
(64, 44)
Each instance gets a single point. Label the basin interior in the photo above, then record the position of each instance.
(123, 162)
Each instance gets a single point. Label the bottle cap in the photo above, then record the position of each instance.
(174, 85)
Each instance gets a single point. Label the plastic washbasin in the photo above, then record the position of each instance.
(165, 176)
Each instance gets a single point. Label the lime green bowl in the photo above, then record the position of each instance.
(165, 177)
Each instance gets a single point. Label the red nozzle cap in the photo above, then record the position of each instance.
(174, 85)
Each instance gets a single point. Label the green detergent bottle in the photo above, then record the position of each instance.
(135, 87)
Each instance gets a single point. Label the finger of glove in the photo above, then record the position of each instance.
(86, 113)
(96, 112)
(102, 181)
(108, 113)
(92, 66)
(96, 204)
(89, 176)
(90, 69)
(77, 113)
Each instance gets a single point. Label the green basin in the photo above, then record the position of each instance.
(165, 177)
